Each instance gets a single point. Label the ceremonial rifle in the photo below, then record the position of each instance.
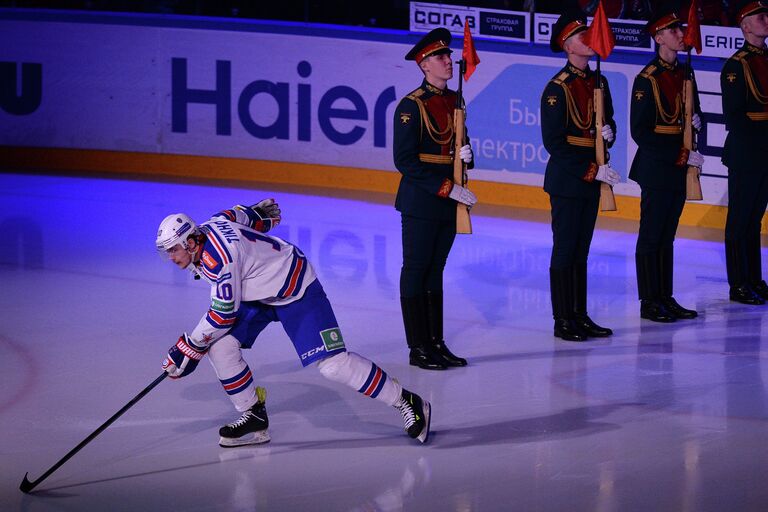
(463, 221)
(692, 183)
(607, 199)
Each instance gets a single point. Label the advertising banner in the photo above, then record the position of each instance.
(488, 23)
(270, 92)
(629, 34)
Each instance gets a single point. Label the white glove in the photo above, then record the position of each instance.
(696, 122)
(462, 195)
(607, 175)
(695, 159)
(465, 153)
(607, 133)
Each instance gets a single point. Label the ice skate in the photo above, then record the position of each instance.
(251, 428)
(416, 415)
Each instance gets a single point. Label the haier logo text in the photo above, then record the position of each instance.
(20, 97)
(338, 103)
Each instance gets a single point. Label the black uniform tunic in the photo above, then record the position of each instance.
(423, 153)
(744, 82)
(660, 164)
(568, 133)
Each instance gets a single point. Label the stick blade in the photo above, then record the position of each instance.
(26, 485)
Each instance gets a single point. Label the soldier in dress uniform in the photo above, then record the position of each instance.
(744, 82)
(427, 198)
(573, 178)
(660, 165)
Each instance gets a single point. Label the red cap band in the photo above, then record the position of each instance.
(569, 30)
(664, 22)
(750, 9)
(429, 50)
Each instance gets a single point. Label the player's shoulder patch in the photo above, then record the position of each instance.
(211, 260)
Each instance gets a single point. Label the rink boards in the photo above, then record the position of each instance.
(287, 103)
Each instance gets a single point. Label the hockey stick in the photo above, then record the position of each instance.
(26, 486)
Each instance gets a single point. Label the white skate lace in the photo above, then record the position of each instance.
(243, 420)
(409, 416)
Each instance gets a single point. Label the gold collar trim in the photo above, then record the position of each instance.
(434, 90)
(576, 71)
(666, 65)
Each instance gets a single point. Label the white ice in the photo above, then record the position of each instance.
(656, 418)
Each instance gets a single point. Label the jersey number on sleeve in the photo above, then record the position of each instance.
(224, 290)
(258, 237)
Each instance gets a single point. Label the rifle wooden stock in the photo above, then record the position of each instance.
(463, 221)
(692, 183)
(607, 199)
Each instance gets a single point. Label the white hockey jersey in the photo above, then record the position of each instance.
(244, 265)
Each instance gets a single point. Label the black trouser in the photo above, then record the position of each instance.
(660, 212)
(573, 223)
(426, 244)
(747, 200)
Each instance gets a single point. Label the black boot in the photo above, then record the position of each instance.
(651, 308)
(435, 314)
(736, 266)
(745, 295)
(561, 288)
(655, 311)
(761, 289)
(417, 334)
(755, 268)
(666, 272)
(580, 316)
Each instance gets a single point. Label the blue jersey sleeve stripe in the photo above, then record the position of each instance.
(210, 275)
(220, 321)
(220, 246)
(253, 218)
(225, 214)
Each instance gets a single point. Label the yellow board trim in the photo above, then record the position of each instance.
(758, 116)
(152, 165)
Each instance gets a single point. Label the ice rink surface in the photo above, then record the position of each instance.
(656, 418)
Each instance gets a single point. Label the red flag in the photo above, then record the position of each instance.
(468, 53)
(693, 31)
(599, 36)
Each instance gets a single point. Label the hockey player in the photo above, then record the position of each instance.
(257, 279)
